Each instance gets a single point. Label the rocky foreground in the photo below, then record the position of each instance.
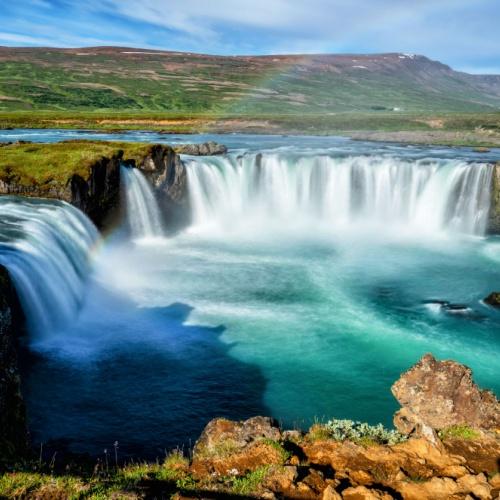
(446, 446)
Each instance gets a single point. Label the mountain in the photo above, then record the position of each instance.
(123, 79)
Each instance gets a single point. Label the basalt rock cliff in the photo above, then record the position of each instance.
(96, 190)
(13, 430)
(167, 174)
(494, 219)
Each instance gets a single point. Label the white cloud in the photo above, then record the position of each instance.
(458, 32)
(23, 39)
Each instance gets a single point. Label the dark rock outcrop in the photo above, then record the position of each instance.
(209, 148)
(98, 194)
(13, 430)
(494, 217)
(167, 174)
(493, 299)
(439, 394)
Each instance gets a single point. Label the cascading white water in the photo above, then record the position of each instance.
(45, 246)
(418, 195)
(143, 213)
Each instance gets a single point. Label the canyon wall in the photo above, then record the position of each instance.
(13, 430)
(494, 218)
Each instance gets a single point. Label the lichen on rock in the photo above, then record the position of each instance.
(439, 394)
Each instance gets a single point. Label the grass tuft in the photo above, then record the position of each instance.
(461, 431)
(250, 482)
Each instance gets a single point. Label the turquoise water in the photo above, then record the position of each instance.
(331, 322)
(266, 304)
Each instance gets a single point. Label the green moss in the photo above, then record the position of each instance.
(461, 431)
(44, 165)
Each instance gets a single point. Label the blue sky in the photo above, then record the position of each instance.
(461, 33)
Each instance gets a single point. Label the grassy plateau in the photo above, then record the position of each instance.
(400, 97)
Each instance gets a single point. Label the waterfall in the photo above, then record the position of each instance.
(143, 213)
(45, 247)
(417, 195)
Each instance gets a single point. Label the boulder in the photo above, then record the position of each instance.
(438, 394)
(235, 448)
(329, 493)
(222, 434)
(493, 299)
(363, 493)
(209, 148)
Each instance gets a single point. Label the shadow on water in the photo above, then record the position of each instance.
(150, 395)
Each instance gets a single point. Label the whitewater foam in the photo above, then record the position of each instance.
(255, 191)
(45, 246)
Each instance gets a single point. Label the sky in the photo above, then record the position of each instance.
(461, 33)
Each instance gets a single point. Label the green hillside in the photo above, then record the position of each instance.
(153, 81)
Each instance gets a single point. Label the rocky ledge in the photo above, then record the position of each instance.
(87, 174)
(447, 447)
(209, 148)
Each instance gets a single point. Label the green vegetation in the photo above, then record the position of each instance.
(455, 129)
(119, 482)
(118, 89)
(154, 480)
(357, 432)
(285, 455)
(134, 79)
(53, 164)
(462, 431)
(250, 482)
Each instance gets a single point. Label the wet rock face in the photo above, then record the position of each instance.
(13, 431)
(438, 394)
(494, 218)
(99, 195)
(493, 299)
(206, 149)
(167, 174)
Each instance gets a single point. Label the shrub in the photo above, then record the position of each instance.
(358, 432)
(250, 482)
